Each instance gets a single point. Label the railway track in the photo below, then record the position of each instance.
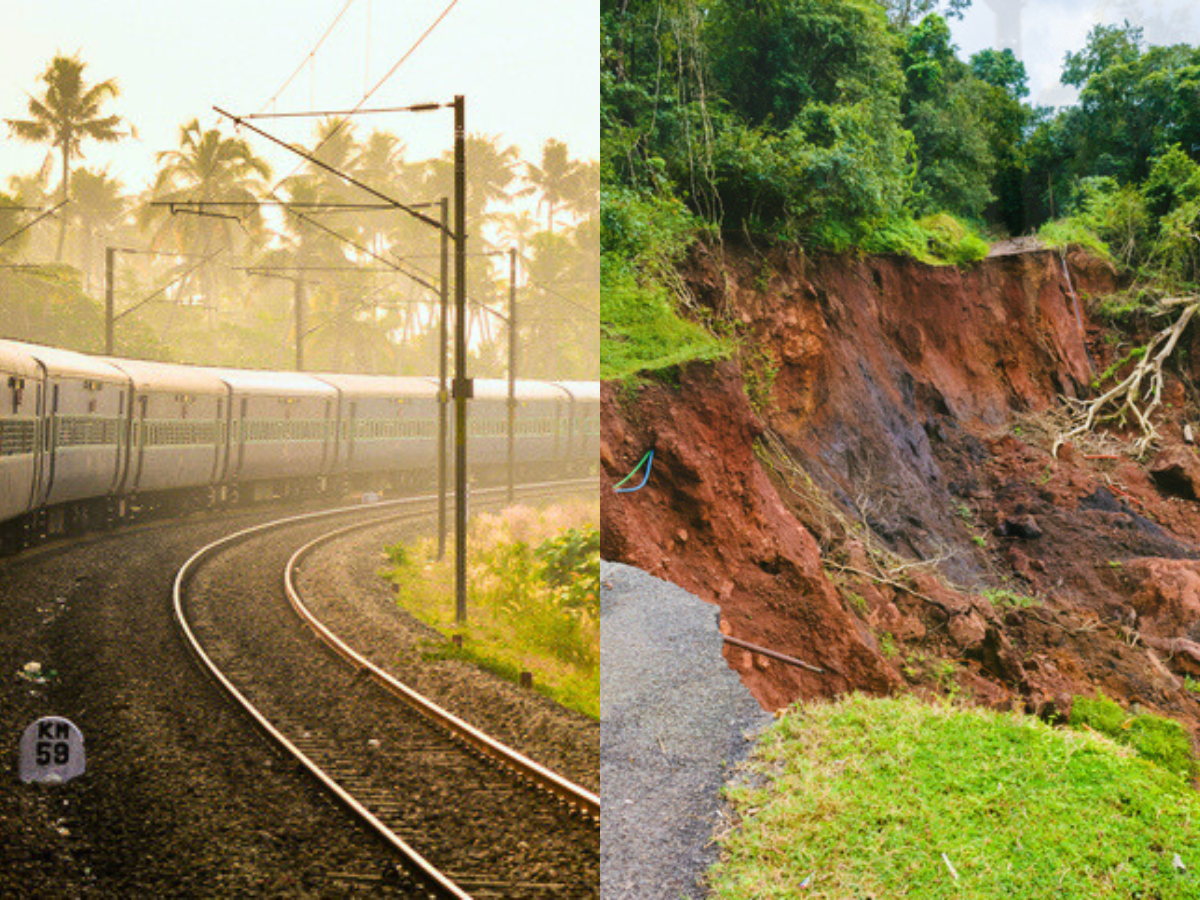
(463, 814)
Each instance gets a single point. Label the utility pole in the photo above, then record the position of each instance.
(301, 327)
(512, 369)
(462, 385)
(110, 257)
(443, 394)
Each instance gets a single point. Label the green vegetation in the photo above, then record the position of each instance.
(880, 798)
(1003, 598)
(1163, 741)
(887, 645)
(843, 125)
(855, 126)
(533, 597)
(643, 238)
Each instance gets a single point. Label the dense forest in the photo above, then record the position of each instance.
(846, 125)
(218, 284)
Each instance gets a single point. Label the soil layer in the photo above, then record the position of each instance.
(870, 487)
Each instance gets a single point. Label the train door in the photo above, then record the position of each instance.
(326, 432)
(220, 441)
(39, 439)
(139, 430)
(52, 438)
(241, 436)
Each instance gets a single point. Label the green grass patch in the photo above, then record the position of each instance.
(1063, 233)
(938, 240)
(533, 597)
(1162, 741)
(864, 796)
(643, 239)
(641, 331)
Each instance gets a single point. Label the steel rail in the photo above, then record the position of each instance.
(578, 797)
(435, 881)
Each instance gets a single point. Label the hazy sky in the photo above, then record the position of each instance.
(529, 69)
(1051, 28)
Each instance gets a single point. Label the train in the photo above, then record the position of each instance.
(89, 441)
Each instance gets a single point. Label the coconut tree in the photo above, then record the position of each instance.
(98, 204)
(207, 167)
(559, 179)
(68, 113)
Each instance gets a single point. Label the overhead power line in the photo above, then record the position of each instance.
(357, 111)
(382, 81)
(311, 53)
(29, 225)
(349, 179)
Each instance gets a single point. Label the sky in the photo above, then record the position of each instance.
(1052, 28)
(529, 70)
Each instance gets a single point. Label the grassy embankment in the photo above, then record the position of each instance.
(533, 605)
(899, 798)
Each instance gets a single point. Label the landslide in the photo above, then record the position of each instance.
(886, 507)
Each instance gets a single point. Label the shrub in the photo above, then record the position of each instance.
(1163, 741)
(1102, 715)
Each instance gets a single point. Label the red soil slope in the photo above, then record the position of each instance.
(895, 385)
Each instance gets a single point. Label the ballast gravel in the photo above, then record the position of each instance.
(675, 720)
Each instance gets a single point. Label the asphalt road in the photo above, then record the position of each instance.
(675, 720)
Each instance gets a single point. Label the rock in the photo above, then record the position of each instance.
(1024, 527)
(967, 631)
(1189, 436)
(1176, 471)
(1167, 595)
(1020, 563)
(889, 618)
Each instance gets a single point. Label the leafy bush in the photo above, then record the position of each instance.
(1101, 714)
(533, 595)
(571, 566)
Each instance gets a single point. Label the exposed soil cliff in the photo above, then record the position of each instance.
(892, 513)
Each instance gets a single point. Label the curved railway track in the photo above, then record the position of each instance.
(465, 815)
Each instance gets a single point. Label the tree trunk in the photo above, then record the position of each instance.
(62, 216)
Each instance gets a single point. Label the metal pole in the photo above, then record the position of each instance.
(462, 386)
(301, 327)
(110, 254)
(512, 369)
(443, 394)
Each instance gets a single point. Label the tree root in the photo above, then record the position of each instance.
(1139, 394)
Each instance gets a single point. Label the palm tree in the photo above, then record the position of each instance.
(207, 167)
(491, 169)
(559, 179)
(98, 205)
(68, 113)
